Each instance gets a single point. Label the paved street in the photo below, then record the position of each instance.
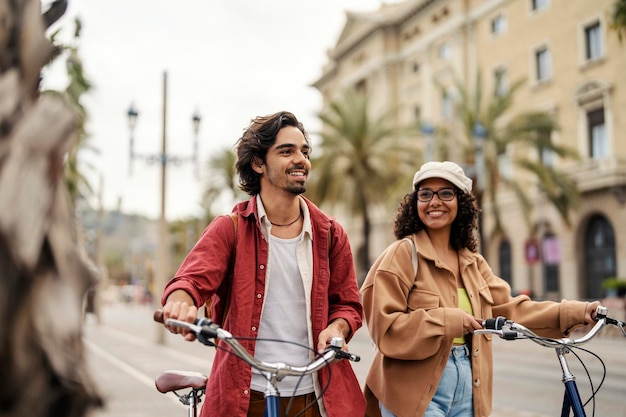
(124, 360)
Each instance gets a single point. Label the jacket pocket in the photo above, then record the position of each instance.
(420, 299)
(486, 306)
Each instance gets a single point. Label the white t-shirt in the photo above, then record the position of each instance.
(284, 317)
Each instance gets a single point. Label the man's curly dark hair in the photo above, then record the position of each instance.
(464, 228)
(256, 140)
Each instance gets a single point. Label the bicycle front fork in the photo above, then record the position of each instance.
(572, 401)
(272, 406)
(571, 396)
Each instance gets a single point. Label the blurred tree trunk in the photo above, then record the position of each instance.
(42, 277)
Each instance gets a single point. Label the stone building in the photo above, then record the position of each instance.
(574, 68)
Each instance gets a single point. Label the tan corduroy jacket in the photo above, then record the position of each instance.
(413, 320)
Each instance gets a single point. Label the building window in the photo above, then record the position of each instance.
(593, 42)
(505, 167)
(498, 25)
(598, 143)
(444, 51)
(361, 86)
(599, 255)
(542, 64)
(417, 113)
(551, 257)
(505, 260)
(501, 85)
(446, 106)
(546, 156)
(536, 5)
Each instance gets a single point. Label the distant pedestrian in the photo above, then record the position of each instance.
(426, 294)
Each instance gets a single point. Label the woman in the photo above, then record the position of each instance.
(421, 317)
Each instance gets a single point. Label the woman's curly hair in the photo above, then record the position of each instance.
(464, 227)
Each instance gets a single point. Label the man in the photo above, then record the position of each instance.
(289, 282)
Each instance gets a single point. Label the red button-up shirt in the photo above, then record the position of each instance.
(334, 295)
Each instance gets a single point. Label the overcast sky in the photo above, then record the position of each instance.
(229, 60)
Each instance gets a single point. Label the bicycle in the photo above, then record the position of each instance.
(509, 330)
(206, 331)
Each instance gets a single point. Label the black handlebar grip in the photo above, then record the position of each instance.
(346, 355)
(494, 323)
(158, 316)
(509, 335)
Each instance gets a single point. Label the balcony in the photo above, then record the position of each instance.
(600, 174)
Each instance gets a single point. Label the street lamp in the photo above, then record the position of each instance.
(163, 157)
(162, 270)
(132, 123)
(195, 120)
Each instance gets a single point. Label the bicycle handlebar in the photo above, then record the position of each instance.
(509, 330)
(205, 329)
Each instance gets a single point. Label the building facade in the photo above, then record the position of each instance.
(410, 55)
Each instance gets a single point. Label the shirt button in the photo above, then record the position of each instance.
(475, 352)
(259, 296)
(262, 266)
(477, 382)
(246, 392)
(254, 328)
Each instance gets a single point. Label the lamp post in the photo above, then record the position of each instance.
(195, 120)
(479, 134)
(132, 123)
(163, 158)
(427, 130)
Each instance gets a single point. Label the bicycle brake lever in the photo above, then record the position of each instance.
(509, 335)
(347, 355)
(204, 332)
(336, 343)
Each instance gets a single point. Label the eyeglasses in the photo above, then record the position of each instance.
(445, 194)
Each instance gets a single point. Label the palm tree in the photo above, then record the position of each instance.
(363, 161)
(76, 182)
(534, 129)
(43, 278)
(221, 181)
(529, 129)
(618, 19)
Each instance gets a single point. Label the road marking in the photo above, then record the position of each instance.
(124, 367)
(127, 368)
(144, 379)
(125, 337)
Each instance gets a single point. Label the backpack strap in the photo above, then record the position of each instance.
(233, 217)
(413, 255)
(229, 278)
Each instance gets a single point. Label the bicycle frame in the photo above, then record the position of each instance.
(510, 330)
(571, 396)
(205, 330)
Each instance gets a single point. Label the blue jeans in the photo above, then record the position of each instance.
(454, 393)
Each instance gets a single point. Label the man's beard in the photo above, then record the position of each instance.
(296, 189)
